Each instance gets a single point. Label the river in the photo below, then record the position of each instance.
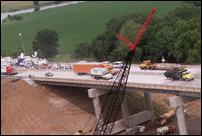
(4, 15)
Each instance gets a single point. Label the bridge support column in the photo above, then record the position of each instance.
(94, 94)
(149, 106)
(125, 113)
(178, 102)
(127, 121)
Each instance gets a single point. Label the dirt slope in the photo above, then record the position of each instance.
(31, 110)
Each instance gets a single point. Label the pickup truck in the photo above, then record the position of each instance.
(166, 130)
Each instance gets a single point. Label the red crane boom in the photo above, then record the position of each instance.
(142, 30)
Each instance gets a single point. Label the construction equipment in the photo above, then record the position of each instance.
(176, 74)
(159, 66)
(165, 130)
(115, 95)
(165, 118)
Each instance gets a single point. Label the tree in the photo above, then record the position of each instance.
(195, 3)
(47, 41)
(185, 11)
(129, 30)
(82, 51)
(36, 2)
(165, 43)
(185, 44)
(194, 55)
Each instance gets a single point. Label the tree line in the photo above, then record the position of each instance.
(176, 36)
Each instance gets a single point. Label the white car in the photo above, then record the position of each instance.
(135, 129)
(117, 64)
(49, 74)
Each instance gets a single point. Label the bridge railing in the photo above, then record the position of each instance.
(129, 84)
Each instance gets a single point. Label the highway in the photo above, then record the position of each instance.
(136, 76)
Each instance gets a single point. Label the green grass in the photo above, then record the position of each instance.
(11, 6)
(75, 23)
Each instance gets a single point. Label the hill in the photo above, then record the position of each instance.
(74, 23)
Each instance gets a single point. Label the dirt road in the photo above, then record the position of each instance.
(46, 110)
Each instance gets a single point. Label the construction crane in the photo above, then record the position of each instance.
(115, 95)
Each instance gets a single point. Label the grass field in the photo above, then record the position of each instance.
(75, 23)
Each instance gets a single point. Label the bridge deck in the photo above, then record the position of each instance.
(145, 87)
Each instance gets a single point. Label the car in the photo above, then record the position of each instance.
(49, 74)
(117, 64)
(135, 129)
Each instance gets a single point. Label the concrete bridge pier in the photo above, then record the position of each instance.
(149, 106)
(127, 121)
(178, 102)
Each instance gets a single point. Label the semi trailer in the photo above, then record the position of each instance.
(84, 67)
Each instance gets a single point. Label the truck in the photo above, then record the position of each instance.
(165, 118)
(84, 67)
(109, 67)
(159, 66)
(177, 74)
(166, 130)
(11, 70)
(100, 73)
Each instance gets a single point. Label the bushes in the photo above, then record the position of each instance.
(15, 17)
(37, 8)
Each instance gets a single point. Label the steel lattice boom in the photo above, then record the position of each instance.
(115, 95)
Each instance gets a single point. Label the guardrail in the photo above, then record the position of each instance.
(129, 84)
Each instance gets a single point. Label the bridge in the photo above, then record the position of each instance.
(131, 86)
(184, 94)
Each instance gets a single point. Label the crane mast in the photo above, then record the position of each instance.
(115, 95)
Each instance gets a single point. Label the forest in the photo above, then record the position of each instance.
(176, 36)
